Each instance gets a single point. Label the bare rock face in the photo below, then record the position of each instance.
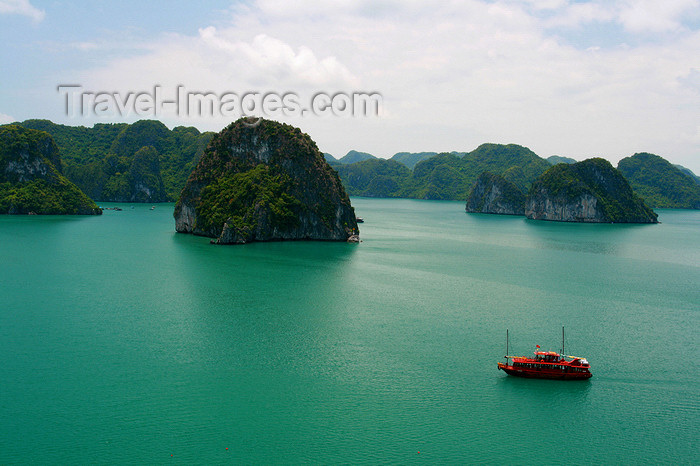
(588, 191)
(264, 182)
(583, 208)
(28, 155)
(493, 194)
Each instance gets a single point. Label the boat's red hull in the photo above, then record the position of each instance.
(543, 373)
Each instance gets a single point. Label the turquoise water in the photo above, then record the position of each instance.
(124, 342)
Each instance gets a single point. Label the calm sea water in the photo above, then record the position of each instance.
(124, 342)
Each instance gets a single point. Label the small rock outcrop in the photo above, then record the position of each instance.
(493, 194)
(588, 191)
(264, 182)
(31, 179)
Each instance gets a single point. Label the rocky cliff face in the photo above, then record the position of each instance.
(30, 176)
(145, 176)
(263, 183)
(588, 191)
(28, 155)
(542, 205)
(493, 194)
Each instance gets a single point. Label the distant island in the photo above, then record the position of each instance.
(410, 159)
(592, 191)
(31, 178)
(661, 183)
(354, 156)
(451, 176)
(445, 176)
(555, 159)
(264, 182)
(140, 162)
(147, 162)
(588, 191)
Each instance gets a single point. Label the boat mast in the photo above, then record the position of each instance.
(562, 340)
(506, 356)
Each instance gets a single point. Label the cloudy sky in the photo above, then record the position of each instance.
(562, 77)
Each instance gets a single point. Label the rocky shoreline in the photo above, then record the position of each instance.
(592, 191)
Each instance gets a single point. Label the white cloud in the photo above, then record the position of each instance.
(452, 74)
(691, 80)
(21, 7)
(635, 16)
(543, 4)
(270, 56)
(655, 15)
(579, 14)
(4, 119)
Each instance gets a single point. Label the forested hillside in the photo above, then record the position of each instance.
(140, 162)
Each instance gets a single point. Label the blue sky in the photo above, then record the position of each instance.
(573, 78)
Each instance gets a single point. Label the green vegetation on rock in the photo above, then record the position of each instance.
(555, 159)
(238, 198)
(439, 177)
(493, 194)
(659, 182)
(446, 175)
(410, 159)
(688, 172)
(497, 158)
(374, 178)
(102, 160)
(588, 191)
(30, 176)
(264, 182)
(354, 156)
(330, 159)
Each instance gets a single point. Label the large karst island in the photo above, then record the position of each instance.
(591, 191)
(31, 177)
(264, 181)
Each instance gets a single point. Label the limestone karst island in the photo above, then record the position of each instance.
(264, 181)
(31, 176)
(592, 191)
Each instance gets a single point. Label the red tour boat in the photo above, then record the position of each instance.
(547, 365)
